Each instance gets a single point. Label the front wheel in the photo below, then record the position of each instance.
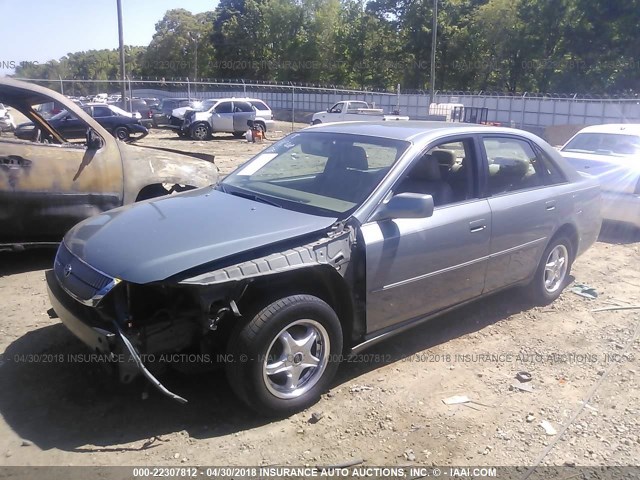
(316, 122)
(200, 131)
(286, 355)
(553, 271)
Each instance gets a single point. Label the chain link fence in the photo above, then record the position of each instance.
(531, 111)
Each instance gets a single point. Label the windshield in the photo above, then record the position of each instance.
(119, 111)
(207, 104)
(604, 144)
(320, 173)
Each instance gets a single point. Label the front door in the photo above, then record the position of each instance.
(415, 267)
(222, 117)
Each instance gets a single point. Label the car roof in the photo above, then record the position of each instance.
(409, 130)
(614, 128)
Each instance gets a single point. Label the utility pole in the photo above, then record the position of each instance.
(123, 87)
(433, 51)
(195, 37)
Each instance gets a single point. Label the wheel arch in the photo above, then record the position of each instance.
(321, 281)
(571, 232)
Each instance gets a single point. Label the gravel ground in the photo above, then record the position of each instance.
(384, 408)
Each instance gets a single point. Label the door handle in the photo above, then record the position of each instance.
(550, 205)
(477, 226)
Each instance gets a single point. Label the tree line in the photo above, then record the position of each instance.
(586, 46)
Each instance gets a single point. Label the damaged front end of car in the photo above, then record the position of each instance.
(135, 325)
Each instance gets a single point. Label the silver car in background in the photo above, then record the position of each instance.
(611, 153)
(330, 240)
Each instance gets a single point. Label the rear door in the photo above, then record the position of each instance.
(242, 113)
(525, 207)
(415, 267)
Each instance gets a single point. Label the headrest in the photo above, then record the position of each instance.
(349, 156)
(444, 157)
(427, 169)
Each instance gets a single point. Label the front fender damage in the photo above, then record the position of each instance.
(193, 309)
(334, 250)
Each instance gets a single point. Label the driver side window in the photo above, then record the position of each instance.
(445, 172)
(224, 107)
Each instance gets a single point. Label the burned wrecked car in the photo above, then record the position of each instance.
(328, 241)
(48, 184)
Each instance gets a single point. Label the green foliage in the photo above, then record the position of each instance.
(501, 45)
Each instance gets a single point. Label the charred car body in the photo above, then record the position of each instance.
(328, 241)
(48, 184)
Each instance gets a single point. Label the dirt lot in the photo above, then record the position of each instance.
(385, 408)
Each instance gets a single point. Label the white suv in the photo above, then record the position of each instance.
(6, 120)
(228, 115)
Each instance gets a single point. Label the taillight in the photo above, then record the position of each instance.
(150, 114)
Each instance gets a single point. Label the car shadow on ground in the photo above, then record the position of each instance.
(12, 263)
(215, 136)
(56, 401)
(619, 233)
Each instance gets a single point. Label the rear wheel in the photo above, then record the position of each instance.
(121, 133)
(553, 271)
(286, 355)
(316, 122)
(200, 131)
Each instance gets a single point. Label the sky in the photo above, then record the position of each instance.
(44, 30)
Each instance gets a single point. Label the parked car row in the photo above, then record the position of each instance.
(121, 124)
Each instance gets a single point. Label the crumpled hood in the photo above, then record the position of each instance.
(153, 240)
(180, 112)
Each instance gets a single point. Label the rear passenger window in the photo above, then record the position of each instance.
(242, 107)
(513, 165)
(259, 105)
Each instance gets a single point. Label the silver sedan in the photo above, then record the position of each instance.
(330, 240)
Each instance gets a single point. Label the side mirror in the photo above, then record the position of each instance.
(405, 205)
(94, 141)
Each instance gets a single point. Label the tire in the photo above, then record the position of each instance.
(238, 134)
(121, 133)
(200, 131)
(553, 271)
(261, 126)
(316, 122)
(272, 333)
